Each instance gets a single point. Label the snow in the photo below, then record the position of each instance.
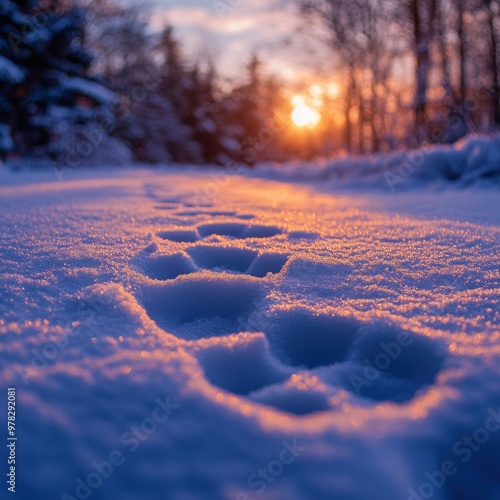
(473, 160)
(6, 142)
(261, 339)
(91, 89)
(10, 72)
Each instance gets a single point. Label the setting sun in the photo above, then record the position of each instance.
(304, 116)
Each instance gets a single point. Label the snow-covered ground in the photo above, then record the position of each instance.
(474, 160)
(185, 336)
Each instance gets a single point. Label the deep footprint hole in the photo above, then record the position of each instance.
(393, 364)
(223, 259)
(267, 263)
(237, 230)
(303, 338)
(234, 229)
(180, 235)
(255, 231)
(234, 367)
(231, 364)
(219, 305)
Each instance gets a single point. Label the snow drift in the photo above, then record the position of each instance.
(474, 159)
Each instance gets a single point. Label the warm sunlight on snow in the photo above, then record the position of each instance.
(253, 312)
(250, 250)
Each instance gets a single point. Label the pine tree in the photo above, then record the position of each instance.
(54, 109)
(13, 18)
(208, 117)
(250, 113)
(178, 86)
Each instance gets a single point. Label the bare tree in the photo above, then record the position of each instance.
(493, 14)
(421, 16)
(441, 30)
(358, 32)
(453, 46)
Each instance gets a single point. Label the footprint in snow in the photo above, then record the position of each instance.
(308, 363)
(234, 230)
(182, 293)
(297, 360)
(228, 260)
(228, 213)
(294, 360)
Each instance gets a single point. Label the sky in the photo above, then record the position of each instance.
(231, 30)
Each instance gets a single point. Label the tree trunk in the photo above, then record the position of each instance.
(445, 60)
(373, 118)
(461, 51)
(422, 37)
(421, 71)
(495, 103)
(347, 112)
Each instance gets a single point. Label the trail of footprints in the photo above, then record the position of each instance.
(295, 360)
(216, 258)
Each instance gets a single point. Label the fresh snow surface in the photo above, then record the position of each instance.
(252, 313)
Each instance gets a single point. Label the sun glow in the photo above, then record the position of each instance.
(304, 116)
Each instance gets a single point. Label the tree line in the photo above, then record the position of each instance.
(87, 82)
(413, 71)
